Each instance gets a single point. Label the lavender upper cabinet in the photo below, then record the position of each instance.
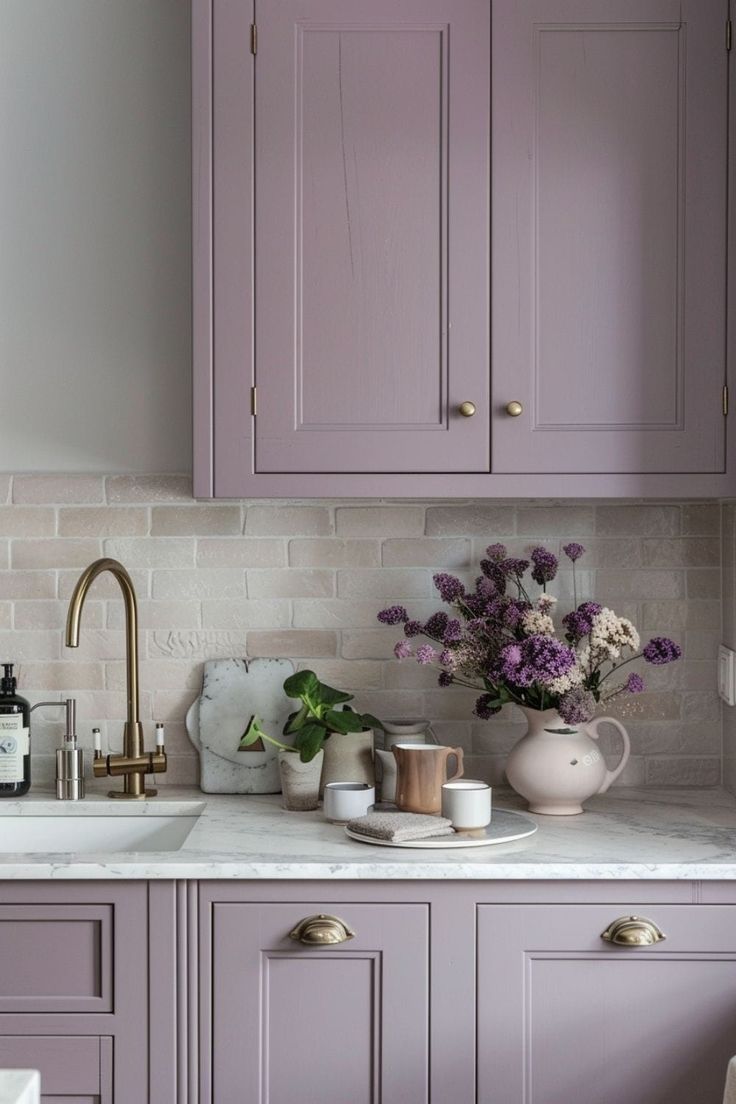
(565, 1018)
(293, 1022)
(609, 235)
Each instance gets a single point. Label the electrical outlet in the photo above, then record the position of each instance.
(727, 674)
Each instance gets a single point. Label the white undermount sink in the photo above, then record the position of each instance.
(98, 827)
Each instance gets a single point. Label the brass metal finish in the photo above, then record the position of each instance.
(321, 931)
(633, 931)
(514, 409)
(135, 763)
(467, 409)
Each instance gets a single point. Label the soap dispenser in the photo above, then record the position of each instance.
(15, 737)
(70, 760)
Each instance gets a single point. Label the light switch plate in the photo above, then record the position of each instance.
(727, 674)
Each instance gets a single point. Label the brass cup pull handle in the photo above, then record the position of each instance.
(514, 409)
(321, 931)
(467, 409)
(633, 931)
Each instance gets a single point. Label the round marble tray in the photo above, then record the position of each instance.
(504, 828)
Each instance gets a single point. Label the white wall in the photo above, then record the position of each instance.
(95, 350)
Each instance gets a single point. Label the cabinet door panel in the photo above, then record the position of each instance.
(372, 235)
(564, 1018)
(74, 1070)
(610, 148)
(294, 1023)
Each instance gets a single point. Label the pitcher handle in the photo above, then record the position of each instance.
(458, 753)
(611, 776)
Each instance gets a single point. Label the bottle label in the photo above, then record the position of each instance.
(14, 744)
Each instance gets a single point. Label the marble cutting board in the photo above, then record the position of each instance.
(232, 690)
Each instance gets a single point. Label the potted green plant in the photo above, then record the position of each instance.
(326, 733)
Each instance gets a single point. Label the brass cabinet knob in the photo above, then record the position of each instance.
(633, 931)
(467, 409)
(514, 409)
(321, 931)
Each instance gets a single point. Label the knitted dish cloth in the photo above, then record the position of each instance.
(398, 827)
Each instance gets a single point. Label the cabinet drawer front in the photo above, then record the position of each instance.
(56, 958)
(567, 1018)
(295, 1023)
(73, 1070)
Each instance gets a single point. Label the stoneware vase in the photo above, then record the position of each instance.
(348, 758)
(556, 771)
(422, 771)
(300, 781)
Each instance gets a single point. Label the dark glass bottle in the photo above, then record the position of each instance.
(15, 738)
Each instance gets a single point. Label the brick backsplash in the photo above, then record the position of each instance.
(304, 580)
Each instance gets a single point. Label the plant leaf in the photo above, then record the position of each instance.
(327, 695)
(369, 721)
(344, 722)
(296, 720)
(309, 741)
(252, 732)
(302, 684)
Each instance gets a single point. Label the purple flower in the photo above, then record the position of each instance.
(576, 706)
(436, 624)
(393, 615)
(661, 650)
(493, 570)
(425, 654)
(483, 707)
(539, 658)
(573, 550)
(496, 551)
(580, 621)
(402, 650)
(447, 658)
(634, 684)
(453, 631)
(484, 587)
(545, 565)
(413, 628)
(450, 588)
(445, 678)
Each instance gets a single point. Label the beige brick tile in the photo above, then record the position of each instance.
(157, 674)
(700, 706)
(438, 553)
(170, 707)
(384, 583)
(683, 771)
(657, 705)
(600, 552)
(4, 488)
(104, 586)
(335, 613)
(292, 643)
(612, 586)
(333, 552)
(99, 644)
(166, 614)
(103, 521)
(199, 583)
(290, 582)
(40, 614)
(377, 643)
(683, 552)
(94, 706)
(474, 519)
(703, 583)
(51, 489)
(19, 647)
(243, 552)
(454, 734)
(379, 521)
(634, 773)
(288, 521)
(182, 770)
(660, 617)
(348, 675)
(702, 518)
(408, 674)
(450, 703)
(149, 488)
(676, 739)
(66, 676)
(496, 736)
(196, 520)
(152, 552)
(4, 554)
(27, 584)
(248, 613)
(196, 646)
(27, 521)
(638, 520)
(6, 615)
(389, 704)
(53, 552)
(556, 520)
(178, 743)
(700, 644)
(489, 769)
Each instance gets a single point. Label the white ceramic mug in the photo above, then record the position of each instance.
(467, 803)
(346, 800)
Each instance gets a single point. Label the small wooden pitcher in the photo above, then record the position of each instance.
(422, 771)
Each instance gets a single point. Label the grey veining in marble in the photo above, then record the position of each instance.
(630, 834)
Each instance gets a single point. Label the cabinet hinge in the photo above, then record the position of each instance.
(253, 38)
(729, 34)
(725, 399)
(253, 402)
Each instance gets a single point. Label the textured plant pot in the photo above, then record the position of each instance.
(407, 730)
(300, 781)
(349, 758)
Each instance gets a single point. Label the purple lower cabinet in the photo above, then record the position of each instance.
(566, 1018)
(74, 1069)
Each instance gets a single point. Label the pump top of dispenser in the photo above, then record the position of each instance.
(8, 683)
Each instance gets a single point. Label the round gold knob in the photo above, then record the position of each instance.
(467, 409)
(633, 931)
(514, 409)
(321, 931)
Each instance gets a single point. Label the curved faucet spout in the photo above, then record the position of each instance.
(74, 616)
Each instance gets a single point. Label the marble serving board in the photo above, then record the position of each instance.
(232, 691)
(505, 827)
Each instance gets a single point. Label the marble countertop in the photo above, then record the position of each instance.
(629, 834)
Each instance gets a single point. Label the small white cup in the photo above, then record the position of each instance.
(346, 800)
(467, 803)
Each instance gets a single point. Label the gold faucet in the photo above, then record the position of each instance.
(135, 763)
